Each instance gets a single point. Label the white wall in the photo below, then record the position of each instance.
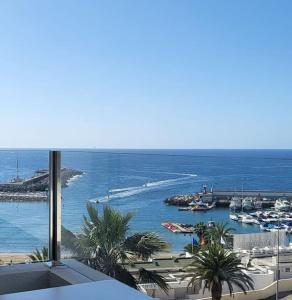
(180, 290)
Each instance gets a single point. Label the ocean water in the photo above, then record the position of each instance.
(137, 181)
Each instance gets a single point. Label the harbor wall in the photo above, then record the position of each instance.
(270, 194)
(222, 198)
(285, 285)
(34, 188)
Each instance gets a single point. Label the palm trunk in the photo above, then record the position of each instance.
(216, 292)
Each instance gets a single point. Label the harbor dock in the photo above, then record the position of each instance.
(178, 228)
(222, 198)
(266, 198)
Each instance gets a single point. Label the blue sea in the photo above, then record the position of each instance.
(137, 181)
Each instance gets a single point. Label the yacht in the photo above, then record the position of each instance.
(277, 228)
(282, 205)
(211, 224)
(235, 203)
(247, 219)
(259, 214)
(267, 226)
(233, 217)
(256, 221)
(287, 225)
(257, 204)
(247, 203)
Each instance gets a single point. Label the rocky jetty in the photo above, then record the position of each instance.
(38, 183)
(181, 200)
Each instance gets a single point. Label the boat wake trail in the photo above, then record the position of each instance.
(149, 186)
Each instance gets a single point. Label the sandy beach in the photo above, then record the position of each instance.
(6, 258)
(13, 258)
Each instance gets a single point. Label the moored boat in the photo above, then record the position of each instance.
(266, 226)
(247, 203)
(235, 203)
(202, 207)
(247, 219)
(233, 217)
(282, 205)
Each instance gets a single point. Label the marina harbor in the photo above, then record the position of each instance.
(145, 150)
(270, 210)
(223, 198)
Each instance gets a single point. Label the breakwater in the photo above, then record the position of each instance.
(182, 200)
(34, 188)
(23, 197)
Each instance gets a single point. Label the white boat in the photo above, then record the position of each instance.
(256, 221)
(271, 220)
(282, 205)
(266, 226)
(247, 203)
(197, 202)
(259, 213)
(247, 219)
(273, 215)
(233, 217)
(235, 203)
(211, 224)
(286, 219)
(257, 204)
(276, 228)
(287, 227)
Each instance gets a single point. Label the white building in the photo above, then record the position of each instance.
(179, 289)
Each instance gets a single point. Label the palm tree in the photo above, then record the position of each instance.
(144, 244)
(190, 248)
(213, 266)
(200, 229)
(105, 244)
(222, 234)
(42, 255)
(146, 276)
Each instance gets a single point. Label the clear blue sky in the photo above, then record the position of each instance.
(146, 74)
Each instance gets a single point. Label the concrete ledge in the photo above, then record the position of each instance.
(73, 280)
(85, 271)
(103, 290)
(285, 285)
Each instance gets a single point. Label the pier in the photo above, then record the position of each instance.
(267, 198)
(34, 188)
(178, 228)
(222, 198)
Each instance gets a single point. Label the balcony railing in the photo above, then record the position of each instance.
(36, 209)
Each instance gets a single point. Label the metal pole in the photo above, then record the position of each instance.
(278, 256)
(55, 206)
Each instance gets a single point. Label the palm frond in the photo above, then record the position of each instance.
(146, 276)
(37, 255)
(215, 265)
(145, 244)
(104, 244)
